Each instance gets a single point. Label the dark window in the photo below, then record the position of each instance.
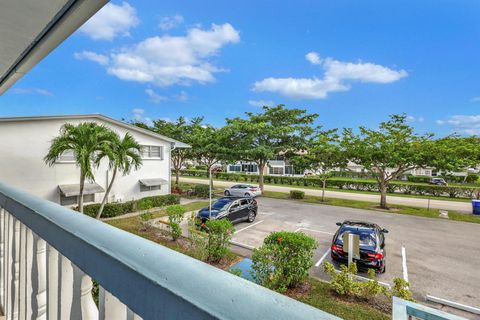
(72, 200)
(149, 188)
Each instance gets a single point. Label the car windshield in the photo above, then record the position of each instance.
(221, 204)
(368, 239)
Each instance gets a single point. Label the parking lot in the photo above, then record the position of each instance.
(439, 257)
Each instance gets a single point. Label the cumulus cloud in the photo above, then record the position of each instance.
(155, 97)
(139, 115)
(38, 91)
(92, 56)
(170, 22)
(338, 76)
(411, 118)
(313, 57)
(111, 21)
(467, 124)
(167, 60)
(260, 103)
(182, 96)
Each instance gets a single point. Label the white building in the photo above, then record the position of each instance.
(25, 141)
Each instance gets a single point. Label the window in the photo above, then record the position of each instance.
(144, 188)
(72, 200)
(249, 168)
(276, 170)
(234, 168)
(152, 152)
(67, 156)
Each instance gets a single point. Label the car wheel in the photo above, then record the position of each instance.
(227, 193)
(384, 268)
(251, 216)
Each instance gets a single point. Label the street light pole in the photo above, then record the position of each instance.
(210, 193)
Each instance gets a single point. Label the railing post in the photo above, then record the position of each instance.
(40, 311)
(110, 307)
(52, 283)
(16, 270)
(65, 296)
(89, 308)
(2, 260)
(23, 272)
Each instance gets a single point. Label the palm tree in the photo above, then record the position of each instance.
(85, 140)
(123, 155)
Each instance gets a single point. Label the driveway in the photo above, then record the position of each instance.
(442, 257)
(415, 202)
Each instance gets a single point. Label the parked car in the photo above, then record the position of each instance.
(235, 209)
(372, 245)
(438, 181)
(243, 190)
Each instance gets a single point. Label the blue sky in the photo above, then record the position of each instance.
(352, 62)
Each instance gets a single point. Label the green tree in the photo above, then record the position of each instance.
(389, 151)
(322, 154)
(123, 154)
(261, 137)
(85, 140)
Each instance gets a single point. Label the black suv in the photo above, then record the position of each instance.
(372, 245)
(235, 209)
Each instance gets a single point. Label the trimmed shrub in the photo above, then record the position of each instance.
(472, 178)
(401, 289)
(297, 194)
(283, 261)
(120, 208)
(201, 190)
(220, 233)
(175, 216)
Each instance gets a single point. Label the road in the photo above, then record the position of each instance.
(414, 202)
(441, 255)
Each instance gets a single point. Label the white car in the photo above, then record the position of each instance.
(243, 190)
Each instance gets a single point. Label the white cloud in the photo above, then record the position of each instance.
(475, 99)
(170, 22)
(167, 60)
(313, 57)
(414, 119)
(155, 97)
(111, 21)
(468, 124)
(337, 77)
(38, 91)
(92, 56)
(138, 115)
(182, 96)
(260, 103)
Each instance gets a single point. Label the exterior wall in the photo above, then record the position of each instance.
(23, 145)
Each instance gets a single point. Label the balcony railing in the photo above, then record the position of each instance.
(49, 254)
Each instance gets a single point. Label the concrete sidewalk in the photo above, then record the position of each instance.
(464, 207)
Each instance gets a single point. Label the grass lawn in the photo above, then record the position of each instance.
(320, 296)
(396, 194)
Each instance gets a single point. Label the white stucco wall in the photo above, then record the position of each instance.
(23, 144)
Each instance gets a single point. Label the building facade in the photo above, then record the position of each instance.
(25, 141)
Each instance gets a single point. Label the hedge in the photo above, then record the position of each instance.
(404, 187)
(120, 208)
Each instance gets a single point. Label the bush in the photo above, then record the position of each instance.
(342, 282)
(175, 216)
(283, 261)
(201, 190)
(401, 289)
(117, 209)
(220, 233)
(472, 178)
(297, 194)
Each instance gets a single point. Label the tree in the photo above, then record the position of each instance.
(209, 146)
(85, 140)
(322, 155)
(261, 137)
(389, 151)
(181, 130)
(123, 154)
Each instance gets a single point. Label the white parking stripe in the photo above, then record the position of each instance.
(312, 230)
(319, 262)
(368, 279)
(252, 225)
(404, 264)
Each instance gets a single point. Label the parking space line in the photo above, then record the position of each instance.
(252, 225)
(319, 262)
(368, 279)
(404, 264)
(312, 230)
